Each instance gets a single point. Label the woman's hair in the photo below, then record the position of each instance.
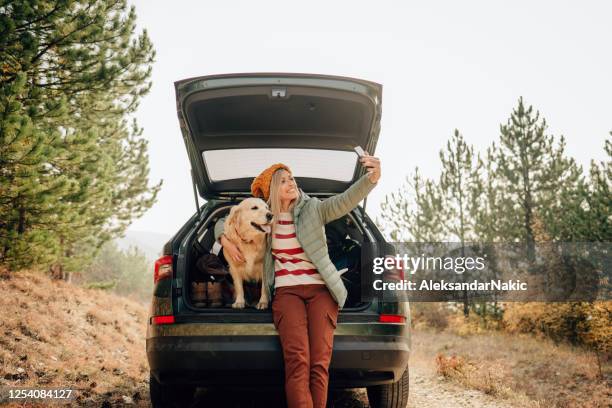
(274, 201)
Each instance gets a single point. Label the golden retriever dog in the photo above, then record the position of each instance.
(246, 227)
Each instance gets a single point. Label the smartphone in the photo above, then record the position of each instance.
(359, 151)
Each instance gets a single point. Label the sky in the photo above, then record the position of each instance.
(444, 65)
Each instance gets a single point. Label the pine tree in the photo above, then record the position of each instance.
(491, 226)
(532, 172)
(460, 186)
(74, 172)
(490, 205)
(439, 211)
(27, 209)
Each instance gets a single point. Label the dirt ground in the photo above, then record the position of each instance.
(95, 344)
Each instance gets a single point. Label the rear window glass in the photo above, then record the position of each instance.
(248, 163)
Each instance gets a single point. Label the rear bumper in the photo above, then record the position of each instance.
(357, 361)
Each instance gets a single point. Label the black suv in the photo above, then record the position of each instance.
(233, 126)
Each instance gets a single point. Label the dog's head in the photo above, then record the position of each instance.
(251, 218)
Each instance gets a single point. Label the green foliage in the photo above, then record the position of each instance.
(587, 209)
(532, 172)
(73, 168)
(127, 273)
(106, 285)
(460, 184)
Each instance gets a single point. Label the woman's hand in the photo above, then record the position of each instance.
(373, 165)
(231, 250)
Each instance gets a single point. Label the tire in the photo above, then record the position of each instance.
(168, 396)
(393, 395)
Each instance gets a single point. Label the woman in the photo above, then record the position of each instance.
(307, 289)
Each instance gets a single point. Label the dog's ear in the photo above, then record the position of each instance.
(234, 218)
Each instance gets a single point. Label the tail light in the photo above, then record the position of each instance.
(169, 319)
(390, 318)
(163, 268)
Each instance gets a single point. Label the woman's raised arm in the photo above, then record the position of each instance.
(341, 204)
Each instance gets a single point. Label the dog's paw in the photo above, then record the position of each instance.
(262, 305)
(238, 305)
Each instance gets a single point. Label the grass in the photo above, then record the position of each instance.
(54, 334)
(526, 370)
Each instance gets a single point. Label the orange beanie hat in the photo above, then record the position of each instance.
(260, 187)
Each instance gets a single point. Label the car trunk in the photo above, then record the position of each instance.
(234, 125)
(208, 290)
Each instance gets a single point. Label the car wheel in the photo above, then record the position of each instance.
(393, 395)
(168, 396)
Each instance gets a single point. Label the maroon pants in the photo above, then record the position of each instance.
(305, 317)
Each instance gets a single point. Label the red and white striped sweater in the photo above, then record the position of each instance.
(291, 265)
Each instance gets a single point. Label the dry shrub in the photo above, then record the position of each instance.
(427, 314)
(597, 330)
(486, 378)
(452, 367)
(579, 323)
